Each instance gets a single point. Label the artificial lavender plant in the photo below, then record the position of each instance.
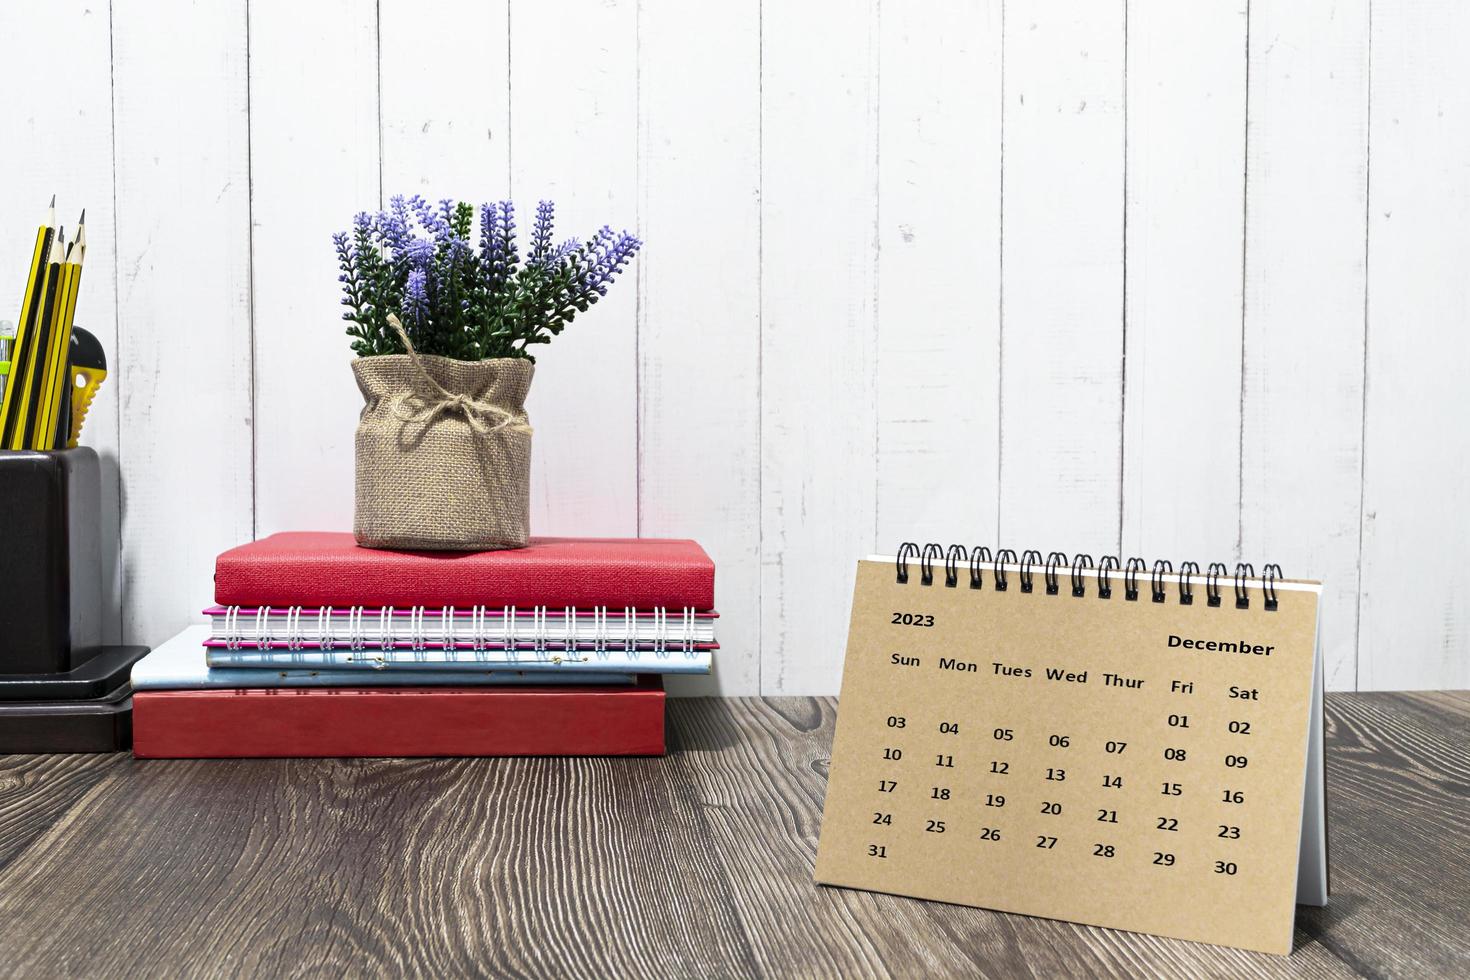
(417, 260)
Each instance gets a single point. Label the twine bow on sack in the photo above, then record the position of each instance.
(484, 418)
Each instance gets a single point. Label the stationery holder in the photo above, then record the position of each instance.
(61, 688)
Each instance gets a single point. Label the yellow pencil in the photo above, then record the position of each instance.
(79, 243)
(30, 308)
(28, 390)
(55, 372)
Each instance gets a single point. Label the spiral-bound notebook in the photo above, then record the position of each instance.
(448, 628)
(1132, 747)
(565, 640)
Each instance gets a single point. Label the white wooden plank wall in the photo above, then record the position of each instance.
(574, 140)
(1185, 218)
(1301, 443)
(1062, 276)
(699, 340)
(1415, 628)
(939, 195)
(819, 235)
(309, 172)
(74, 161)
(184, 362)
(1167, 280)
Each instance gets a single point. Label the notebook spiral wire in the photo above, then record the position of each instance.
(1080, 567)
(487, 630)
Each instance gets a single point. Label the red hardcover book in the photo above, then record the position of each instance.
(260, 723)
(324, 568)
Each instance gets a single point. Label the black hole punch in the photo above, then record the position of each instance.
(1243, 572)
(906, 551)
(926, 563)
(952, 559)
(1162, 567)
(1108, 563)
(1079, 565)
(1270, 574)
(1029, 559)
(979, 555)
(1187, 570)
(1130, 578)
(1212, 583)
(1053, 561)
(1003, 557)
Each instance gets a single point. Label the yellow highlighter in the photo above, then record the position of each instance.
(7, 338)
(86, 370)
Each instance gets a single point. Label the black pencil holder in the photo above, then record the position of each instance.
(61, 688)
(50, 560)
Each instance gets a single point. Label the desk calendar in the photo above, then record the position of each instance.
(1118, 746)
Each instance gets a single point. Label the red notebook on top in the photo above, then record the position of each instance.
(328, 568)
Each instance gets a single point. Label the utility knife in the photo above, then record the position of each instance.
(88, 368)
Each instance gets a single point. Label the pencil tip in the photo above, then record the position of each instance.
(53, 200)
(83, 219)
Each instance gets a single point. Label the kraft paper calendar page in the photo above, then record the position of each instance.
(1068, 752)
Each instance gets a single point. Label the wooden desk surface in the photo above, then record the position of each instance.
(697, 864)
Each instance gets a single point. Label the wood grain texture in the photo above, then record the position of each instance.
(1306, 186)
(37, 790)
(1185, 233)
(1399, 796)
(306, 402)
(1415, 592)
(67, 153)
(1062, 277)
(183, 357)
(696, 864)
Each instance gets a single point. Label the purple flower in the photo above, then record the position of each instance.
(420, 253)
(420, 259)
(460, 250)
(416, 297)
(347, 262)
(608, 253)
(433, 221)
(393, 224)
(487, 229)
(498, 243)
(541, 234)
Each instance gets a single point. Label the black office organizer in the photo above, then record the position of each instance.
(61, 688)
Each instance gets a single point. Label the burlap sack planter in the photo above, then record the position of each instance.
(443, 453)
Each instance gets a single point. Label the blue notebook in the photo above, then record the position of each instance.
(180, 664)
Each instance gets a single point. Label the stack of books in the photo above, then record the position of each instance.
(317, 647)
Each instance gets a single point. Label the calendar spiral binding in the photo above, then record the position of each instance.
(1056, 562)
(380, 629)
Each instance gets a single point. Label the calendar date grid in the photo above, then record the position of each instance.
(1058, 792)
